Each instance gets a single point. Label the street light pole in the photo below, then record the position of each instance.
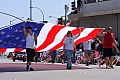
(11, 16)
(40, 11)
(30, 9)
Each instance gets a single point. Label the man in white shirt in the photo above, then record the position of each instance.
(87, 50)
(31, 38)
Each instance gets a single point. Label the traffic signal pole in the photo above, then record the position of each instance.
(65, 15)
(66, 11)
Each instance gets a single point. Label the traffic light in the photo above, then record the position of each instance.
(60, 20)
(73, 5)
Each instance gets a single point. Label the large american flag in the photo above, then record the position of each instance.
(50, 36)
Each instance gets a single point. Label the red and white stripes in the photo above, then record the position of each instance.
(51, 37)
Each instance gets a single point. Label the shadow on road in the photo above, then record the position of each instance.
(20, 67)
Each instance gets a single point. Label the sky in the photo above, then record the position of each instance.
(21, 9)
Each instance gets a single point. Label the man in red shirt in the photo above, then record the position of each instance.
(108, 41)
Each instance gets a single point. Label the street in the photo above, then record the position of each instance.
(10, 70)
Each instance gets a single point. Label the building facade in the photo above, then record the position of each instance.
(99, 14)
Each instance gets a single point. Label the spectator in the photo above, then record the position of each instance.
(93, 44)
(99, 46)
(53, 55)
(117, 60)
(75, 11)
(46, 56)
(79, 4)
(37, 56)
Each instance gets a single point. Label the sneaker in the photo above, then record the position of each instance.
(31, 69)
(87, 64)
(69, 68)
(107, 67)
(111, 66)
(99, 64)
(62, 61)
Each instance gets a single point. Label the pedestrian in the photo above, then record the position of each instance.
(87, 50)
(68, 47)
(37, 57)
(31, 38)
(53, 55)
(99, 46)
(108, 43)
(79, 4)
(75, 11)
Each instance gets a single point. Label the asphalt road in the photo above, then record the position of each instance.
(10, 70)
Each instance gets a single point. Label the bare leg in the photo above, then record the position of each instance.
(116, 62)
(106, 61)
(111, 60)
(87, 59)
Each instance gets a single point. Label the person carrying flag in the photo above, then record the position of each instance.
(68, 47)
(31, 38)
(108, 44)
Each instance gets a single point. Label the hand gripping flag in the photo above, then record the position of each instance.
(49, 36)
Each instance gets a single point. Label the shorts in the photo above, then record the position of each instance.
(30, 54)
(108, 52)
(87, 53)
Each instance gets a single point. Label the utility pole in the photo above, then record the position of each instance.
(30, 9)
